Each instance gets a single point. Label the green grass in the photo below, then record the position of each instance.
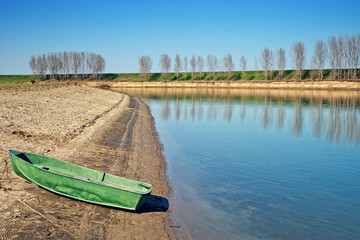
(15, 78)
(206, 76)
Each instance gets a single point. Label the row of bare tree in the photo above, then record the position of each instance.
(341, 53)
(197, 64)
(67, 65)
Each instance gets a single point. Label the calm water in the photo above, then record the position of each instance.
(248, 164)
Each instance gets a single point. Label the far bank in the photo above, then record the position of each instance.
(313, 85)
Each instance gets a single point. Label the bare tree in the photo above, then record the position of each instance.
(165, 64)
(333, 52)
(209, 65)
(177, 66)
(228, 65)
(70, 61)
(96, 64)
(83, 65)
(41, 66)
(185, 65)
(340, 57)
(346, 57)
(265, 60)
(271, 65)
(256, 68)
(298, 55)
(313, 68)
(212, 65)
(351, 46)
(200, 63)
(281, 61)
(145, 64)
(53, 64)
(355, 55)
(61, 65)
(32, 64)
(193, 64)
(352, 52)
(142, 68)
(57, 65)
(90, 62)
(99, 65)
(319, 57)
(66, 63)
(75, 63)
(243, 66)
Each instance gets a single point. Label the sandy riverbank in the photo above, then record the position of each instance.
(99, 129)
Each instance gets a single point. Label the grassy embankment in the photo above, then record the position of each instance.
(206, 76)
(289, 75)
(22, 82)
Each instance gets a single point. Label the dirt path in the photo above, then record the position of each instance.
(102, 130)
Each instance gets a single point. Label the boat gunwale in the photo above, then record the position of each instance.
(97, 183)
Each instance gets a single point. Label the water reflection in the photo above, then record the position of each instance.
(256, 164)
(331, 113)
(298, 116)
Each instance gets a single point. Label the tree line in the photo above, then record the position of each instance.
(67, 65)
(341, 54)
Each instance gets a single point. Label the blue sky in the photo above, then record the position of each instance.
(122, 31)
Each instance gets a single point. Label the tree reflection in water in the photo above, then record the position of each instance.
(334, 113)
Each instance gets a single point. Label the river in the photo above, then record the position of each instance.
(260, 164)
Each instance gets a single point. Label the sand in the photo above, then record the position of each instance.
(95, 128)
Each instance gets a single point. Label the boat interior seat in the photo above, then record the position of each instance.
(23, 156)
(41, 167)
(82, 178)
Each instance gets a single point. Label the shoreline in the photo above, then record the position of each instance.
(298, 85)
(80, 124)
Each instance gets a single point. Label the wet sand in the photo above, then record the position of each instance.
(103, 130)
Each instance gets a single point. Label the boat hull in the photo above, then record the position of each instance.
(79, 182)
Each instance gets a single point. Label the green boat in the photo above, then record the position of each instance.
(79, 182)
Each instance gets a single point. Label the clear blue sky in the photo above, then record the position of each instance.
(122, 31)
